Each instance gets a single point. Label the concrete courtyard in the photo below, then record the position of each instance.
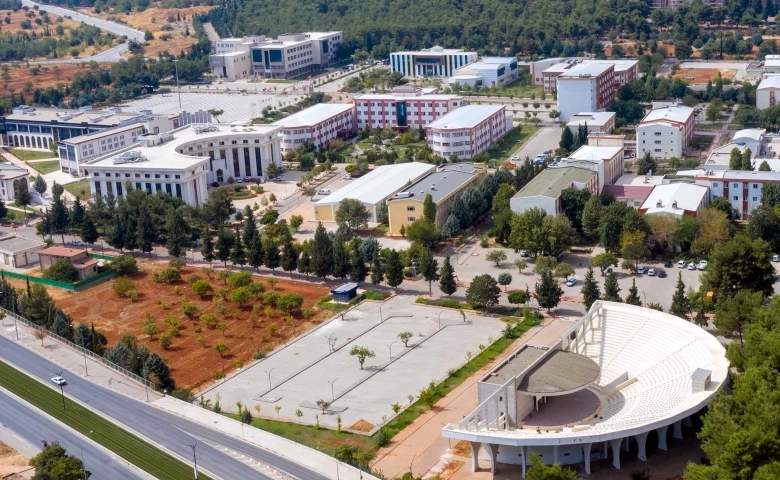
(306, 370)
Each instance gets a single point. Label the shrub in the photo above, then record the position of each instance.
(408, 272)
(123, 286)
(210, 320)
(296, 221)
(177, 290)
(307, 313)
(241, 296)
(373, 295)
(256, 288)
(239, 279)
(178, 263)
(172, 321)
(191, 279)
(272, 282)
(189, 309)
(124, 265)
(270, 298)
(202, 288)
(62, 271)
(166, 340)
(289, 302)
(166, 275)
(447, 303)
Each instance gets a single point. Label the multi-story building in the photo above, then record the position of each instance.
(287, 56)
(742, 188)
(403, 108)
(432, 62)
(544, 191)
(34, 127)
(318, 124)
(184, 161)
(587, 87)
(768, 92)
(665, 132)
(10, 177)
(443, 185)
(594, 122)
(626, 71)
(487, 72)
(676, 199)
(607, 162)
(468, 131)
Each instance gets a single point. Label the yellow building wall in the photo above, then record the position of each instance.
(398, 213)
(324, 213)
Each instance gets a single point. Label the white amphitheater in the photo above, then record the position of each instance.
(618, 374)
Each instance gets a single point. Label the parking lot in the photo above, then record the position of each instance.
(318, 366)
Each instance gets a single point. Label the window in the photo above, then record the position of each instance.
(735, 198)
(657, 150)
(715, 184)
(657, 134)
(146, 175)
(755, 199)
(409, 209)
(755, 186)
(736, 185)
(411, 219)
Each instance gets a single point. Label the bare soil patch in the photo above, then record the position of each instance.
(193, 364)
(449, 469)
(703, 75)
(362, 426)
(462, 449)
(11, 461)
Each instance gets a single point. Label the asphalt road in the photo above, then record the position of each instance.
(33, 426)
(166, 429)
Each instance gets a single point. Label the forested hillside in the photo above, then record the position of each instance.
(543, 27)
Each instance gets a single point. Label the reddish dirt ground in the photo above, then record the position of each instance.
(191, 364)
(47, 76)
(703, 75)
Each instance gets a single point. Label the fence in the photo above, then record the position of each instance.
(100, 256)
(79, 349)
(64, 285)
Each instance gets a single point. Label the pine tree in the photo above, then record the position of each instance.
(681, 306)
(321, 252)
(177, 229)
(377, 269)
(612, 289)
(304, 263)
(429, 268)
(289, 257)
(394, 269)
(207, 249)
(254, 252)
(633, 295)
(567, 140)
(116, 237)
(447, 278)
(270, 253)
(250, 227)
(59, 219)
(548, 291)
(89, 233)
(237, 251)
(340, 267)
(357, 266)
(429, 208)
(131, 232)
(590, 289)
(77, 214)
(147, 231)
(224, 244)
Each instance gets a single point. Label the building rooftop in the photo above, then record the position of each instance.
(772, 61)
(520, 361)
(110, 117)
(314, 115)
(406, 96)
(66, 252)
(437, 50)
(584, 69)
(467, 116)
(100, 134)
(771, 81)
(591, 118)
(442, 182)
(9, 170)
(595, 154)
(719, 157)
(639, 180)
(674, 198)
(749, 134)
(747, 175)
(551, 181)
(379, 184)
(13, 244)
(677, 114)
(634, 192)
(559, 372)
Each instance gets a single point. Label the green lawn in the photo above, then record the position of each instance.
(31, 155)
(509, 143)
(126, 445)
(516, 89)
(45, 167)
(76, 188)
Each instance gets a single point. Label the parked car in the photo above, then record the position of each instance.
(691, 266)
(571, 282)
(58, 380)
(651, 272)
(661, 273)
(323, 191)
(640, 270)
(77, 243)
(523, 253)
(775, 257)
(668, 264)
(239, 179)
(347, 177)
(702, 264)
(609, 271)
(681, 264)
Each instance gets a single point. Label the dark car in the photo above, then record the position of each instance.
(668, 264)
(661, 273)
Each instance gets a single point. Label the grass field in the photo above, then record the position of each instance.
(45, 167)
(31, 155)
(516, 89)
(76, 188)
(119, 441)
(503, 149)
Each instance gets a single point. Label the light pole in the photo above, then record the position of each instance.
(194, 458)
(380, 313)
(62, 392)
(390, 347)
(268, 372)
(332, 394)
(439, 315)
(176, 64)
(84, 465)
(84, 351)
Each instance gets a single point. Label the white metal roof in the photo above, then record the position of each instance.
(314, 115)
(594, 69)
(379, 184)
(688, 197)
(598, 119)
(595, 154)
(749, 133)
(468, 116)
(679, 114)
(771, 81)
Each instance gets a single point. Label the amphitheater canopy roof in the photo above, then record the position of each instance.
(559, 372)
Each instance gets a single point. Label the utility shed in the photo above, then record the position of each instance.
(344, 293)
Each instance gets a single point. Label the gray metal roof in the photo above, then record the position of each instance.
(516, 365)
(560, 372)
(15, 244)
(441, 183)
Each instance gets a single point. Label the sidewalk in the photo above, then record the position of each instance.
(108, 378)
(421, 444)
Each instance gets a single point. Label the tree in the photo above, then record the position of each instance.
(271, 257)
(324, 405)
(573, 203)
(517, 297)
(224, 244)
(221, 348)
(62, 271)
(357, 265)
(207, 249)
(747, 163)
(40, 185)
(361, 353)
(394, 269)
(405, 336)
(40, 334)
(429, 268)
(22, 196)
(682, 50)
(423, 232)
(528, 232)
(59, 220)
(354, 213)
(289, 256)
(539, 471)
(447, 283)
(770, 194)
(734, 313)
(681, 305)
(590, 289)
(545, 264)
(739, 264)
(237, 251)
(520, 265)
(54, 463)
(633, 295)
(289, 302)
(764, 167)
(504, 279)
(246, 416)
(604, 260)
(646, 164)
(590, 216)
(483, 291)
(177, 228)
(567, 140)
(496, 256)
(429, 208)
(548, 291)
(241, 296)
(216, 113)
(712, 113)
(340, 267)
(377, 270)
(321, 252)
(563, 270)
(611, 289)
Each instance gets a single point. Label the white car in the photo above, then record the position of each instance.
(691, 266)
(681, 264)
(239, 179)
(347, 177)
(776, 258)
(523, 253)
(702, 264)
(640, 270)
(651, 272)
(571, 282)
(58, 380)
(516, 157)
(323, 191)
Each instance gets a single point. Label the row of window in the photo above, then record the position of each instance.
(169, 188)
(137, 175)
(756, 186)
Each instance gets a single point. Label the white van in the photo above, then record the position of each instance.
(323, 191)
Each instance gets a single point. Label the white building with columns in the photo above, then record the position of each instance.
(618, 375)
(185, 161)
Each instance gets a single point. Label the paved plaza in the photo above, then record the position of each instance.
(296, 376)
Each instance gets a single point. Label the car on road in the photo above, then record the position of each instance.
(691, 266)
(668, 264)
(323, 191)
(661, 273)
(681, 264)
(775, 257)
(77, 243)
(702, 264)
(279, 179)
(58, 380)
(347, 177)
(651, 272)
(571, 282)
(516, 157)
(640, 270)
(523, 253)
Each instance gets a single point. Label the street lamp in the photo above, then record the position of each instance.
(390, 347)
(380, 313)
(62, 392)
(268, 372)
(332, 395)
(176, 64)
(194, 458)
(439, 315)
